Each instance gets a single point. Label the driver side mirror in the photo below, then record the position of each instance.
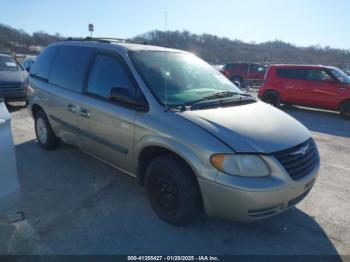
(123, 96)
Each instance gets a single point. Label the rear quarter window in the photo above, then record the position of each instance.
(41, 67)
(69, 68)
(294, 73)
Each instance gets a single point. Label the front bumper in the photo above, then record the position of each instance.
(248, 199)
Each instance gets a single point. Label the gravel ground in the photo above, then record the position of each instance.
(75, 204)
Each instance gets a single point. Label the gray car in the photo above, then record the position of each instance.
(9, 186)
(172, 121)
(13, 80)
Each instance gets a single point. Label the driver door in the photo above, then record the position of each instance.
(322, 89)
(106, 129)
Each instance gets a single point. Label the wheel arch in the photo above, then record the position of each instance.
(156, 146)
(343, 102)
(36, 108)
(271, 90)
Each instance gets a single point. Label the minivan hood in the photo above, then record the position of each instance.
(15, 77)
(255, 127)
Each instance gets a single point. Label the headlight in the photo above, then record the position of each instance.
(240, 165)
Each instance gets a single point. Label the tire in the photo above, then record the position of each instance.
(44, 133)
(172, 190)
(345, 109)
(238, 79)
(272, 98)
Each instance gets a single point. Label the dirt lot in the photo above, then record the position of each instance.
(75, 204)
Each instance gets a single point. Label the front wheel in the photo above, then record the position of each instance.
(172, 189)
(44, 133)
(345, 110)
(272, 98)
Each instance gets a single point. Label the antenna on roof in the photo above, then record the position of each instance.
(166, 60)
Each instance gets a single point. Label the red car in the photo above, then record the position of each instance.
(315, 86)
(244, 72)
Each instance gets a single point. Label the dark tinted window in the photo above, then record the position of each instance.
(69, 67)
(108, 72)
(291, 73)
(229, 66)
(244, 66)
(257, 68)
(43, 63)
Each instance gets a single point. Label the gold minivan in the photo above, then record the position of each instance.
(176, 124)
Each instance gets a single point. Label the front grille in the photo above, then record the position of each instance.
(9, 87)
(300, 160)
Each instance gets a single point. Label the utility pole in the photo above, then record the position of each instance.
(91, 29)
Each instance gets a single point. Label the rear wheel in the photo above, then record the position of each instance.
(172, 189)
(345, 109)
(44, 133)
(272, 98)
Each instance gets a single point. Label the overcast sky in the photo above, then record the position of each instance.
(300, 22)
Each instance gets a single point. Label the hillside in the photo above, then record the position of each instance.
(18, 41)
(210, 47)
(220, 49)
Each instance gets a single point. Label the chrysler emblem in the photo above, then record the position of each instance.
(301, 151)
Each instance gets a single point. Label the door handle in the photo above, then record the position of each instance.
(84, 113)
(72, 108)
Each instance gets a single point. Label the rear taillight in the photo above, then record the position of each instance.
(266, 73)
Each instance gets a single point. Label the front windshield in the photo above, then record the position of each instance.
(185, 77)
(344, 78)
(8, 64)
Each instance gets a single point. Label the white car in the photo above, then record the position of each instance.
(9, 186)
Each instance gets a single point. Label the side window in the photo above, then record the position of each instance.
(108, 72)
(244, 67)
(292, 73)
(41, 67)
(69, 67)
(229, 66)
(317, 75)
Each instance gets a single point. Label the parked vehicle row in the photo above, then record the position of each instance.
(316, 86)
(28, 63)
(174, 122)
(244, 73)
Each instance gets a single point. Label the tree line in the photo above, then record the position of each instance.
(218, 50)
(213, 49)
(18, 41)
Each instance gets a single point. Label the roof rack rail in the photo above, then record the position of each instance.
(104, 40)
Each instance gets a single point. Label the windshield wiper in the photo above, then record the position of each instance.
(216, 96)
(223, 94)
(206, 99)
